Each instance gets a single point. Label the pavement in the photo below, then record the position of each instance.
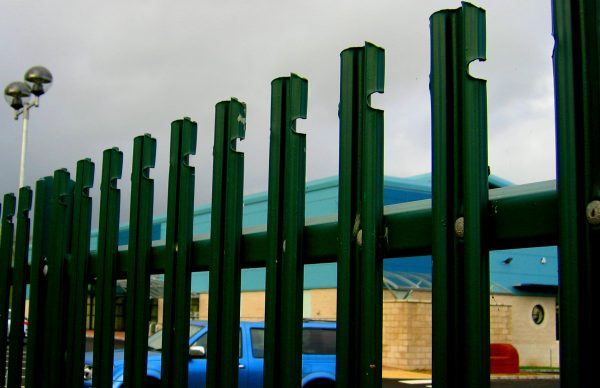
(393, 374)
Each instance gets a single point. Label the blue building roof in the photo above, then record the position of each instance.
(518, 271)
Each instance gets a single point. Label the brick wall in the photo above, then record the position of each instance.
(407, 334)
(501, 324)
(407, 331)
(407, 324)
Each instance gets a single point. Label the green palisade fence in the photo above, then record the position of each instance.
(6, 249)
(49, 249)
(577, 92)
(285, 270)
(226, 233)
(361, 236)
(104, 324)
(459, 201)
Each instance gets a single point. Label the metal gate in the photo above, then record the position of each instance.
(462, 223)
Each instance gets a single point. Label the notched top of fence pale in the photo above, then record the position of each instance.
(466, 24)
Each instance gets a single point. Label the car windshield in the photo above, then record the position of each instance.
(155, 340)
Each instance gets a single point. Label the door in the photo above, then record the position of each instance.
(197, 366)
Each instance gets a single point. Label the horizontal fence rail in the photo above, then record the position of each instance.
(458, 227)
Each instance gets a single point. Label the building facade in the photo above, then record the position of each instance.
(523, 287)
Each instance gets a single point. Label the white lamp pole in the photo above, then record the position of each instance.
(23, 145)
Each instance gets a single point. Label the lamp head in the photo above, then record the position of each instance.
(39, 79)
(17, 94)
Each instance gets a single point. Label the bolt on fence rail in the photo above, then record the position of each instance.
(459, 227)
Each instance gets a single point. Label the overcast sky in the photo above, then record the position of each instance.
(124, 68)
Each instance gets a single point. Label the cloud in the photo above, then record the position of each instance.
(126, 68)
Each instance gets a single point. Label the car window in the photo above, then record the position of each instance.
(258, 342)
(203, 341)
(314, 341)
(155, 341)
(318, 341)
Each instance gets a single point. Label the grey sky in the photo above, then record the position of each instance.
(124, 68)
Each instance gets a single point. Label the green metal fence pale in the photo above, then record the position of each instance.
(459, 201)
(459, 226)
(360, 264)
(19, 283)
(138, 270)
(285, 227)
(38, 283)
(104, 287)
(577, 92)
(6, 253)
(178, 250)
(225, 245)
(77, 269)
(54, 368)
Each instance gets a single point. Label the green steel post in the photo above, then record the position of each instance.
(19, 284)
(577, 91)
(38, 283)
(54, 370)
(459, 200)
(285, 228)
(138, 274)
(225, 239)
(78, 272)
(6, 253)
(360, 260)
(178, 245)
(108, 255)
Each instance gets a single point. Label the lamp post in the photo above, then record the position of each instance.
(17, 94)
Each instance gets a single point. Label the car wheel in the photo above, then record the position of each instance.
(321, 383)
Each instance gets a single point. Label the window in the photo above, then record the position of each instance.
(314, 341)
(537, 314)
(318, 341)
(258, 342)
(155, 340)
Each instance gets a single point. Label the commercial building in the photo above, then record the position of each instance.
(524, 284)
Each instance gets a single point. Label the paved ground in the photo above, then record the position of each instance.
(23, 366)
(391, 373)
(400, 378)
(519, 383)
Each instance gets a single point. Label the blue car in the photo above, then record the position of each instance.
(318, 358)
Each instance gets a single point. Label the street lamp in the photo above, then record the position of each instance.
(17, 94)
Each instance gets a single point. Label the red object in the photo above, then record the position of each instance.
(504, 358)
